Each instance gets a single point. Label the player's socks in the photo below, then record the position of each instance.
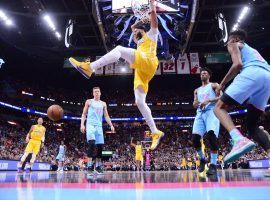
(214, 157)
(27, 168)
(89, 169)
(110, 57)
(19, 170)
(19, 165)
(235, 135)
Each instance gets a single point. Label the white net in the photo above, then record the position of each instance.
(141, 9)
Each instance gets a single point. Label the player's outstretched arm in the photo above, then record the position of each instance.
(153, 15)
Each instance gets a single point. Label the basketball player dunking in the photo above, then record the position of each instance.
(94, 109)
(138, 153)
(35, 139)
(251, 84)
(205, 121)
(143, 60)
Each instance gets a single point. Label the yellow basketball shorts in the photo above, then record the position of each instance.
(145, 68)
(138, 158)
(33, 146)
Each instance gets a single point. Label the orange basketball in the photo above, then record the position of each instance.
(55, 112)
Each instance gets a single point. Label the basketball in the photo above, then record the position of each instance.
(55, 112)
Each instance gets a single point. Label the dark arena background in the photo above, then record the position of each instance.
(37, 38)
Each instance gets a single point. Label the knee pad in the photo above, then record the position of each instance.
(196, 140)
(99, 150)
(213, 141)
(91, 148)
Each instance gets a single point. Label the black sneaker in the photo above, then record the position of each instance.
(202, 165)
(212, 170)
(99, 170)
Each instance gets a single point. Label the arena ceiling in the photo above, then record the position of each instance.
(31, 35)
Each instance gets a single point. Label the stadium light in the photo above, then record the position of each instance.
(49, 21)
(51, 24)
(241, 17)
(5, 19)
(57, 35)
(9, 22)
(27, 93)
(243, 13)
(3, 15)
(12, 123)
(1, 62)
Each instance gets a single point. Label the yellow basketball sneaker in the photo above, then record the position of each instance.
(156, 137)
(82, 67)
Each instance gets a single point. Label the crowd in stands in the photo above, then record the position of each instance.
(175, 152)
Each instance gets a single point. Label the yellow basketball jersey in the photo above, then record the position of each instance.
(138, 149)
(147, 47)
(38, 132)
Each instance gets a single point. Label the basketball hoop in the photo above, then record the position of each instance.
(141, 10)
